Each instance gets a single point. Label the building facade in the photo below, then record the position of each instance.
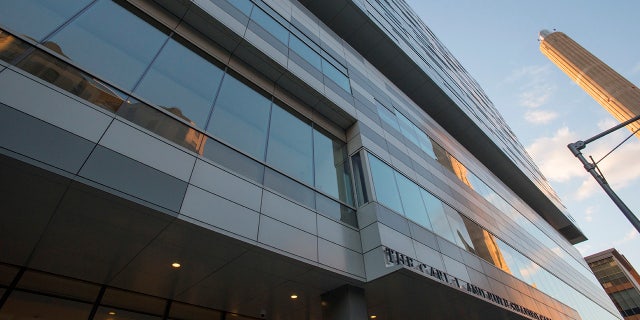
(265, 159)
(611, 90)
(619, 279)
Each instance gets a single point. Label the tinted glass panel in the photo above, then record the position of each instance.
(425, 143)
(234, 160)
(437, 216)
(304, 51)
(289, 188)
(240, 117)
(270, 25)
(182, 80)
(412, 203)
(38, 18)
(23, 305)
(459, 230)
(111, 42)
(290, 146)
(335, 210)
(387, 116)
(74, 81)
(331, 172)
(385, 184)
(242, 5)
(336, 76)
(10, 46)
(408, 129)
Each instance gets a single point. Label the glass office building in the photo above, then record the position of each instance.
(265, 159)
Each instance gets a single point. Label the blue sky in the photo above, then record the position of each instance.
(496, 41)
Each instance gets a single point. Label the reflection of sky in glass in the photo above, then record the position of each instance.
(45, 16)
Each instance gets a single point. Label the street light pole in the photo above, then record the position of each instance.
(591, 168)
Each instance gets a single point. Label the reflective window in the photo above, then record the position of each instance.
(384, 184)
(387, 116)
(38, 18)
(331, 170)
(182, 80)
(407, 129)
(437, 216)
(11, 47)
(270, 25)
(425, 143)
(74, 81)
(234, 160)
(241, 117)
(243, 5)
(412, 203)
(110, 41)
(459, 229)
(289, 188)
(23, 305)
(290, 145)
(305, 52)
(331, 72)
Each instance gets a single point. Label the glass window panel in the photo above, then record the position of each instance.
(407, 128)
(59, 286)
(336, 76)
(241, 117)
(72, 80)
(23, 305)
(234, 160)
(270, 25)
(163, 124)
(38, 18)
(334, 210)
(412, 203)
(181, 311)
(362, 188)
(437, 216)
(109, 313)
(290, 147)
(11, 47)
(425, 144)
(182, 80)
(387, 116)
(132, 301)
(289, 188)
(384, 184)
(111, 42)
(331, 174)
(442, 156)
(305, 52)
(459, 229)
(242, 5)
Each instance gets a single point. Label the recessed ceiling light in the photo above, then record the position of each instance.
(111, 313)
(294, 296)
(373, 316)
(176, 265)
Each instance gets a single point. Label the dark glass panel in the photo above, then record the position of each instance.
(335, 210)
(437, 216)
(109, 313)
(463, 240)
(384, 184)
(115, 298)
(234, 160)
(111, 42)
(270, 25)
(38, 18)
(305, 52)
(163, 124)
(336, 76)
(181, 311)
(11, 47)
(289, 188)
(412, 203)
(24, 306)
(241, 117)
(290, 145)
(72, 80)
(58, 286)
(182, 79)
(331, 172)
(359, 177)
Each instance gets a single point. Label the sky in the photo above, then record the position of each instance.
(497, 42)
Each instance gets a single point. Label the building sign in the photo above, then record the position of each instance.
(395, 258)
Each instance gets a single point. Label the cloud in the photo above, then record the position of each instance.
(540, 116)
(584, 248)
(534, 89)
(588, 214)
(629, 236)
(554, 159)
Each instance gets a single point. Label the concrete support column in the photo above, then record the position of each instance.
(344, 303)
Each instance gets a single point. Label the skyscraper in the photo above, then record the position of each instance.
(616, 94)
(619, 279)
(265, 159)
